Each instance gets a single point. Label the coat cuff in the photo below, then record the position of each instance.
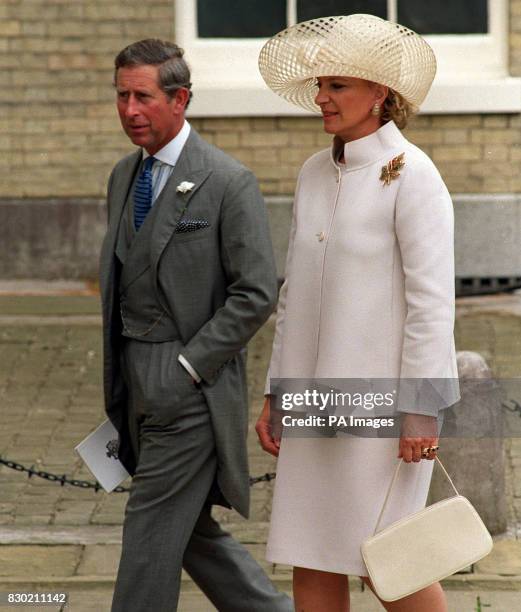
(186, 365)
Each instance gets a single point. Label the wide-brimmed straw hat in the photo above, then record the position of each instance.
(362, 46)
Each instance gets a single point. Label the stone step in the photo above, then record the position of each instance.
(88, 557)
(56, 583)
(77, 562)
(253, 532)
(282, 580)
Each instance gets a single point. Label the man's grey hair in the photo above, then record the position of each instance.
(173, 69)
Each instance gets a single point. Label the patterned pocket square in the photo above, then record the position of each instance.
(190, 225)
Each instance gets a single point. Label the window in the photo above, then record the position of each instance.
(222, 39)
(444, 16)
(440, 17)
(233, 18)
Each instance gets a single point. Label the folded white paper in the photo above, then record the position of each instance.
(99, 451)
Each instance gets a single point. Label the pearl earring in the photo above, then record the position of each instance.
(376, 109)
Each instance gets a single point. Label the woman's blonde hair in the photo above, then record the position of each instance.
(397, 109)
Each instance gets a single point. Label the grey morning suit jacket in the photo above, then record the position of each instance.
(218, 284)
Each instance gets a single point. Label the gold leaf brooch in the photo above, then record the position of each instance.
(391, 170)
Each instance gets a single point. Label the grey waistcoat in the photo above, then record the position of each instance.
(143, 316)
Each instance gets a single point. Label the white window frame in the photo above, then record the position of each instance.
(472, 70)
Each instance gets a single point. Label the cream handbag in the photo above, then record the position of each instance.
(424, 547)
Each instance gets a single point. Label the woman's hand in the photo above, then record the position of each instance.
(418, 432)
(269, 441)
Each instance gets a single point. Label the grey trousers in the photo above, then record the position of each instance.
(167, 521)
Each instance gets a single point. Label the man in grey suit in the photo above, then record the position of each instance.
(187, 277)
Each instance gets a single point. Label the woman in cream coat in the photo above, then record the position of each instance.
(368, 293)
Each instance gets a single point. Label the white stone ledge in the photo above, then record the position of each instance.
(253, 99)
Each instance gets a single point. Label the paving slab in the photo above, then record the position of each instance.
(99, 560)
(505, 559)
(36, 560)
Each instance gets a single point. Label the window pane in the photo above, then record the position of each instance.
(444, 16)
(309, 9)
(240, 18)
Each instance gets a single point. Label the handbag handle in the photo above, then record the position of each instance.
(393, 481)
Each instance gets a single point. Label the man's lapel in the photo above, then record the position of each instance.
(190, 168)
(119, 189)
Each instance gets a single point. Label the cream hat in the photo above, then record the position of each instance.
(362, 46)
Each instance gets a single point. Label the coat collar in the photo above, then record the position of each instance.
(190, 165)
(367, 150)
(191, 168)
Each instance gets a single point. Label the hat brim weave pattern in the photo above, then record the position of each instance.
(361, 46)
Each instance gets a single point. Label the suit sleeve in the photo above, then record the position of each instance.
(247, 258)
(424, 226)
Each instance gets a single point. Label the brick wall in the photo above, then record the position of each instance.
(515, 37)
(57, 113)
(474, 153)
(56, 100)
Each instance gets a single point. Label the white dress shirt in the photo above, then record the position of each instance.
(166, 160)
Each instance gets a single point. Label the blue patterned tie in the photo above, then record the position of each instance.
(143, 193)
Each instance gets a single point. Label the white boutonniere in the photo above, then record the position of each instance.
(185, 186)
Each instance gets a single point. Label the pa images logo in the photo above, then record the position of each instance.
(112, 447)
